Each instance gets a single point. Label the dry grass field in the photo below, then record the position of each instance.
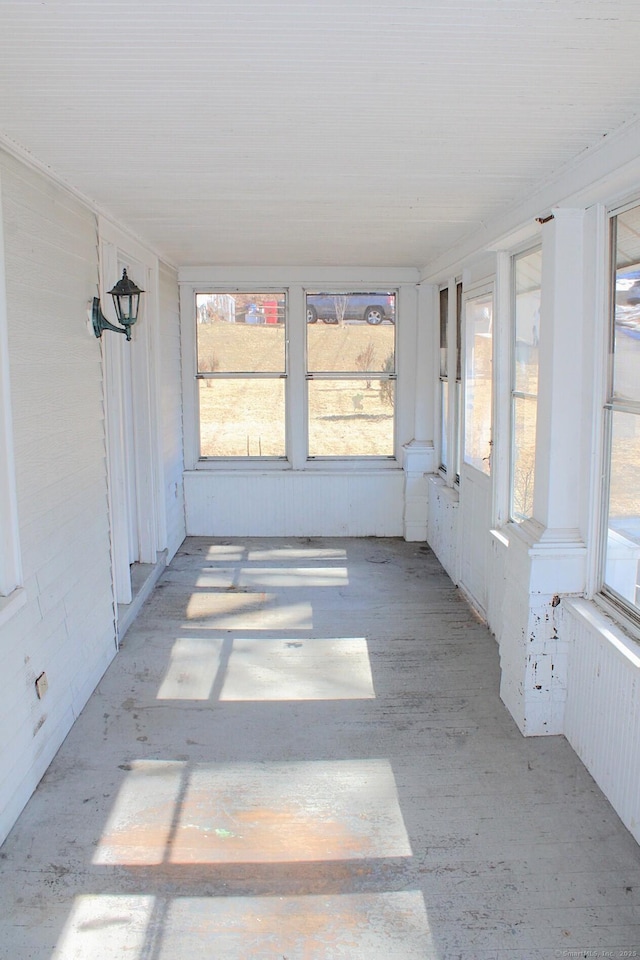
(244, 416)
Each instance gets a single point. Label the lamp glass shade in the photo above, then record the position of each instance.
(126, 300)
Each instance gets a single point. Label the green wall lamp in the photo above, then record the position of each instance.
(126, 300)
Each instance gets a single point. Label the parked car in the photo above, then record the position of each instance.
(371, 307)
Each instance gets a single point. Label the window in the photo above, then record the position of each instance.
(351, 374)
(241, 372)
(444, 379)
(526, 275)
(457, 440)
(622, 417)
(478, 386)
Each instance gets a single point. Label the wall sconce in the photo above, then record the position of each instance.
(126, 299)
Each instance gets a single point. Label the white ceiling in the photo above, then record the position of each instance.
(312, 131)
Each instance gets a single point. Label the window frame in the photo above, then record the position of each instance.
(201, 376)
(613, 602)
(516, 394)
(458, 405)
(443, 380)
(351, 375)
(295, 282)
(483, 291)
(450, 429)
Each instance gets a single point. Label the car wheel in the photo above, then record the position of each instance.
(312, 315)
(374, 315)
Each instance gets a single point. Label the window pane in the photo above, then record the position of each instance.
(240, 332)
(458, 331)
(340, 307)
(444, 420)
(626, 381)
(527, 273)
(351, 418)
(351, 347)
(524, 456)
(623, 538)
(240, 418)
(444, 315)
(458, 438)
(478, 366)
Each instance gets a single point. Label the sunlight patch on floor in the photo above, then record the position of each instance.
(238, 610)
(275, 577)
(268, 670)
(172, 812)
(357, 926)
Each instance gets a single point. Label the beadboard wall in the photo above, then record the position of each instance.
(295, 503)
(66, 627)
(602, 714)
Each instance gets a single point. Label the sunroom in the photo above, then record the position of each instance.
(388, 258)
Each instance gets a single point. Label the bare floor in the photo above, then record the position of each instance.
(300, 754)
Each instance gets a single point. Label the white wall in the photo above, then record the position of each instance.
(602, 719)
(565, 666)
(66, 628)
(295, 497)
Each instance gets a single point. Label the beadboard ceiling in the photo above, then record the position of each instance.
(313, 131)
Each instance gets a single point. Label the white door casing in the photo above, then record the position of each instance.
(131, 396)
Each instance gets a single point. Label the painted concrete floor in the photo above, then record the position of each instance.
(300, 754)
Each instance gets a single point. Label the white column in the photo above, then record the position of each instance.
(559, 470)
(547, 556)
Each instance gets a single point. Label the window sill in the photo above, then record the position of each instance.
(10, 605)
(452, 493)
(318, 465)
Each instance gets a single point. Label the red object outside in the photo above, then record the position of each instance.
(271, 311)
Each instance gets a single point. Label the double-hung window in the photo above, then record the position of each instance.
(450, 389)
(444, 379)
(526, 278)
(621, 553)
(478, 381)
(241, 374)
(351, 374)
(458, 414)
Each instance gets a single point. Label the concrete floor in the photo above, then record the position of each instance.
(300, 754)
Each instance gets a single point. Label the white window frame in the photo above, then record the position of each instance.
(192, 399)
(444, 430)
(486, 290)
(627, 615)
(12, 594)
(450, 471)
(336, 376)
(517, 394)
(295, 282)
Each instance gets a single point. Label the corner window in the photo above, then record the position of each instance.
(622, 418)
(241, 373)
(526, 279)
(351, 374)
